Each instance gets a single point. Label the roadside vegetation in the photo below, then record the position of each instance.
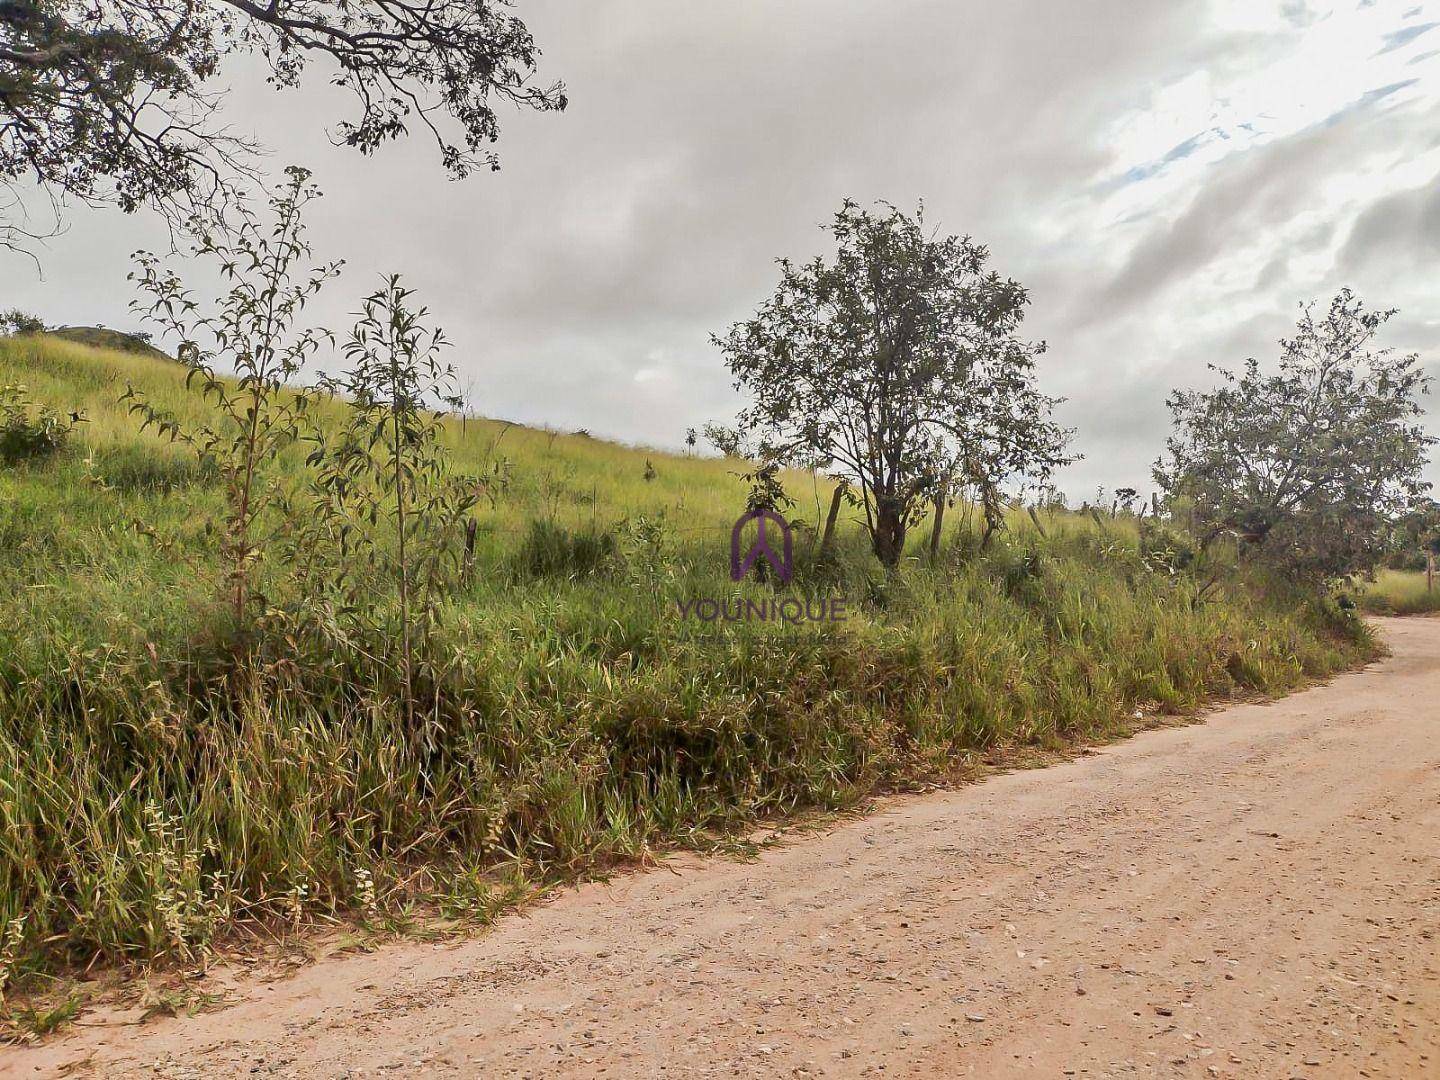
(281, 644)
(169, 780)
(1400, 592)
(289, 634)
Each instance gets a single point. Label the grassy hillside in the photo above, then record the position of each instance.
(155, 797)
(101, 337)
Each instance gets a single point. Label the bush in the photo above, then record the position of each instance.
(16, 321)
(1165, 550)
(29, 429)
(1020, 574)
(553, 551)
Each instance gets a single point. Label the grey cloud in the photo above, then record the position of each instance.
(1400, 38)
(1402, 228)
(580, 284)
(1245, 196)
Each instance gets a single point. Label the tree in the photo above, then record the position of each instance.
(899, 364)
(256, 329)
(113, 100)
(1415, 538)
(1311, 465)
(384, 496)
(15, 321)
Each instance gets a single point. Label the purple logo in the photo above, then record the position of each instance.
(783, 564)
(792, 610)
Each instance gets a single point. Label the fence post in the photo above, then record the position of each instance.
(939, 521)
(467, 572)
(835, 500)
(1036, 519)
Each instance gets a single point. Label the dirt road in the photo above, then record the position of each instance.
(1257, 896)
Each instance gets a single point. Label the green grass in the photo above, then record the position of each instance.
(1400, 592)
(155, 799)
(101, 337)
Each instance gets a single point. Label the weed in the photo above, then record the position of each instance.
(29, 429)
(32, 1021)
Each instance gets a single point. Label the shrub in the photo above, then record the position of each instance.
(1020, 574)
(29, 429)
(16, 321)
(1165, 550)
(550, 550)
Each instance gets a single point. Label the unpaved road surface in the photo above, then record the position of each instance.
(1257, 896)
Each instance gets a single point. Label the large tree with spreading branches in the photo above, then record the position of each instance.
(899, 364)
(1313, 464)
(118, 100)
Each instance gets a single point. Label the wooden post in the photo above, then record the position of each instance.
(1036, 519)
(467, 572)
(939, 521)
(1429, 571)
(835, 500)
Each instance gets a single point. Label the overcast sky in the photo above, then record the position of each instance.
(1169, 177)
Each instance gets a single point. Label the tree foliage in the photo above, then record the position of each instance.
(1313, 464)
(384, 497)
(115, 100)
(254, 329)
(899, 364)
(16, 321)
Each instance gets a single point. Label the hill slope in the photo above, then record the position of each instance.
(167, 777)
(100, 337)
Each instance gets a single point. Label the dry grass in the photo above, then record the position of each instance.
(1400, 592)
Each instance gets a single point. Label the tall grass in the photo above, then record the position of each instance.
(1400, 592)
(154, 796)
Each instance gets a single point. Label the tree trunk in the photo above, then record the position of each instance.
(994, 514)
(397, 463)
(468, 571)
(1036, 519)
(938, 525)
(888, 533)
